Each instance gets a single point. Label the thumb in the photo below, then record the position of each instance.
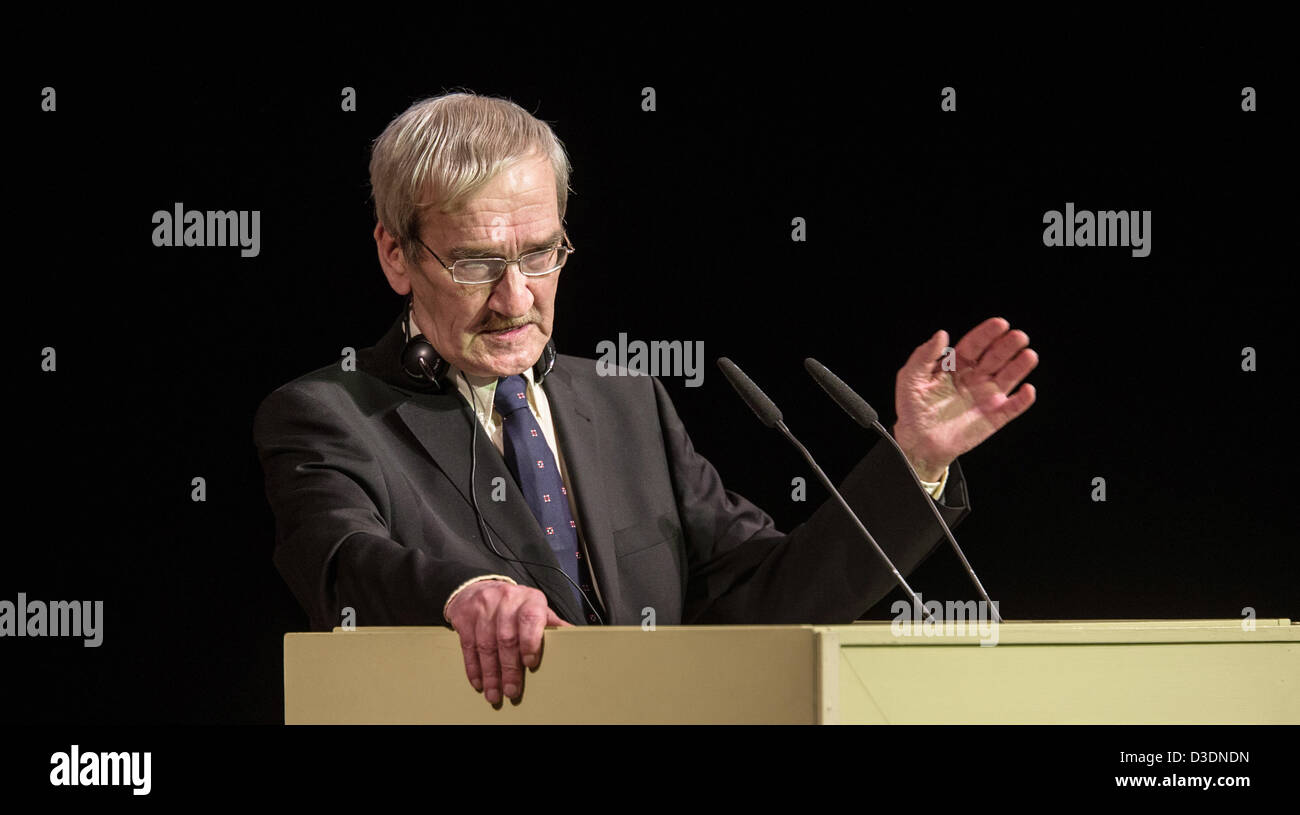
(554, 619)
(927, 354)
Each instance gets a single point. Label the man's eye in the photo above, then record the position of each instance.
(539, 261)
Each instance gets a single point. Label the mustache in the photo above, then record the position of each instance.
(506, 325)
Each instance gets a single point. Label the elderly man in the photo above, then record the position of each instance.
(466, 475)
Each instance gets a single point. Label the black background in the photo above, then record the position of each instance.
(917, 220)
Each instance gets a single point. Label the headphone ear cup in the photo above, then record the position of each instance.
(545, 363)
(421, 361)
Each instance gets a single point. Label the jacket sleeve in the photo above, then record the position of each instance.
(333, 546)
(742, 569)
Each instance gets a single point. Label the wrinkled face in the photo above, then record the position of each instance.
(491, 329)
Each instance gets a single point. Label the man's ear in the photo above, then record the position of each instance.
(392, 259)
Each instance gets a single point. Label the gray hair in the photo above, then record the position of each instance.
(442, 150)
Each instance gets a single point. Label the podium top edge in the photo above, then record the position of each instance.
(863, 626)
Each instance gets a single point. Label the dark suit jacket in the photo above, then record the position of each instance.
(369, 476)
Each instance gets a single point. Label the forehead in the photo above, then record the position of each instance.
(517, 206)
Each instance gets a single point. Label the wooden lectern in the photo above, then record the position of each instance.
(1084, 671)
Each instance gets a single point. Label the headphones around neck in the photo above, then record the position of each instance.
(421, 361)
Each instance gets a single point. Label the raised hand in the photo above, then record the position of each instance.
(942, 414)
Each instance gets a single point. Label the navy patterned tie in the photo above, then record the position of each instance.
(530, 461)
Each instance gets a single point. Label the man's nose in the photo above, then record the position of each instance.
(511, 295)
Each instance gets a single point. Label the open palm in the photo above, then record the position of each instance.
(944, 413)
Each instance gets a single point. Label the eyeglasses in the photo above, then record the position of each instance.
(473, 271)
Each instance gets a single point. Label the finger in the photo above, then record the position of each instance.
(554, 619)
(508, 646)
(1015, 370)
(972, 346)
(926, 357)
(533, 618)
(469, 650)
(486, 645)
(1018, 403)
(1001, 351)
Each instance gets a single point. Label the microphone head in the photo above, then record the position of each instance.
(764, 408)
(844, 396)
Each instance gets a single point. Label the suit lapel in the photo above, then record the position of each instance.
(575, 432)
(514, 529)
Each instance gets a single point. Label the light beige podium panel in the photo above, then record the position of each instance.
(1115, 671)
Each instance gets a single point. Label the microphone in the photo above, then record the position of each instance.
(770, 415)
(865, 415)
(764, 408)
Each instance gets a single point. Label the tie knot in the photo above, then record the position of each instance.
(511, 395)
